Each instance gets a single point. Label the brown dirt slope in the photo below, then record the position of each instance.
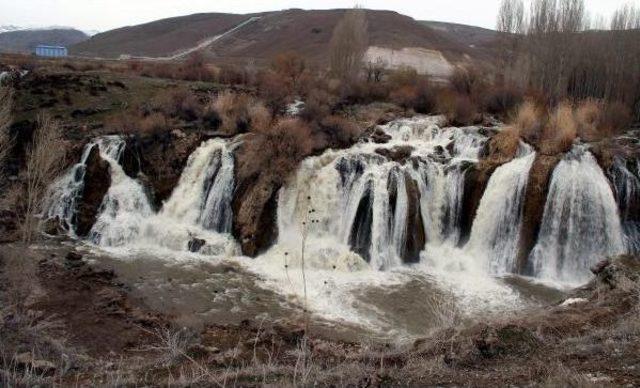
(158, 38)
(308, 32)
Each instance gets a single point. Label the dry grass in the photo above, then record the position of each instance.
(45, 160)
(561, 130)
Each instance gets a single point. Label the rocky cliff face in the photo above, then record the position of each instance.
(158, 160)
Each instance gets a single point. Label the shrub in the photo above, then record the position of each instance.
(155, 123)
(45, 160)
(502, 100)
(616, 117)
(405, 76)
(458, 109)
(339, 132)
(195, 68)
(529, 121)
(277, 149)
(179, 103)
(319, 104)
(289, 65)
(275, 90)
(362, 92)
(467, 81)
(421, 97)
(232, 75)
(237, 113)
(259, 116)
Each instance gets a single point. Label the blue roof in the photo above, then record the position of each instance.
(50, 47)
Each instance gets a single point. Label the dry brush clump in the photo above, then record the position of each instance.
(554, 130)
(277, 149)
(45, 158)
(234, 113)
(458, 109)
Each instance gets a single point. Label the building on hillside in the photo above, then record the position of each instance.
(51, 51)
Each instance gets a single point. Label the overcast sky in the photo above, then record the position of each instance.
(107, 14)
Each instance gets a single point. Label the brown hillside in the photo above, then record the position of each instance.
(308, 32)
(159, 38)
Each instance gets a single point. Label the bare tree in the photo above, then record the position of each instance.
(349, 44)
(45, 158)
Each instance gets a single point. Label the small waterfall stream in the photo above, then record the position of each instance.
(496, 229)
(580, 225)
(62, 198)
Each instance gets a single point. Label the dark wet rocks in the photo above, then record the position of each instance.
(399, 154)
(196, 244)
(97, 180)
(159, 159)
(380, 137)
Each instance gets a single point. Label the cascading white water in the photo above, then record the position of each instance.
(625, 176)
(124, 208)
(580, 224)
(496, 229)
(63, 195)
(205, 190)
(199, 207)
(357, 200)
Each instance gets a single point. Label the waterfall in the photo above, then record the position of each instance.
(124, 208)
(625, 176)
(63, 195)
(580, 223)
(496, 229)
(205, 190)
(357, 200)
(199, 207)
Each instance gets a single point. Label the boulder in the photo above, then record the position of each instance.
(196, 244)
(380, 137)
(73, 256)
(398, 154)
(97, 180)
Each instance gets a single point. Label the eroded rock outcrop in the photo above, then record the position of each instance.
(97, 180)
(158, 160)
(534, 203)
(255, 206)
